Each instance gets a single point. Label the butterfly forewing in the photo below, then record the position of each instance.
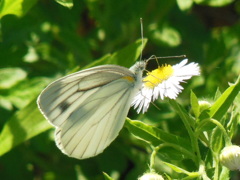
(54, 99)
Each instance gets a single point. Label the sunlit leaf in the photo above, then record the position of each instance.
(220, 107)
(224, 174)
(185, 5)
(65, 3)
(176, 169)
(216, 136)
(15, 7)
(165, 35)
(154, 135)
(216, 3)
(130, 53)
(191, 175)
(107, 177)
(24, 125)
(195, 105)
(11, 76)
(24, 92)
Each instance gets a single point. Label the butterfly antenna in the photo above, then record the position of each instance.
(141, 23)
(155, 106)
(167, 57)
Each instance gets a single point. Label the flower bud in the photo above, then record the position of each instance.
(204, 105)
(230, 157)
(151, 176)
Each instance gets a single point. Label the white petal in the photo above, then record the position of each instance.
(181, 64)
(168, 88)
(186, 72)
(142, 100)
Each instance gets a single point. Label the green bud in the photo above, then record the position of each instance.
(230, 157)
(151, 176)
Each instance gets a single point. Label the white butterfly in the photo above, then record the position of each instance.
(89, 107)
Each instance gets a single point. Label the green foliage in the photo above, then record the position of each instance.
(217, 3)
(66, 3)
(222, 104)
(31, 117)
(15, 7)
(11, 76)
(44, 40)
(16, 130)
(107, 177)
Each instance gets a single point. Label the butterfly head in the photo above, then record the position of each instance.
(138, 67)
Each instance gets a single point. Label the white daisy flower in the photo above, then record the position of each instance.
(164, 82)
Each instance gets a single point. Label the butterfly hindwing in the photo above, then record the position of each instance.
(92, 127)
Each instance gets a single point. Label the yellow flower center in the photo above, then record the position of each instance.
(158, 75)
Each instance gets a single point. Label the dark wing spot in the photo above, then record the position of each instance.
(63, 106)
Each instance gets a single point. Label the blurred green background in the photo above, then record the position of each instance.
(41, 41)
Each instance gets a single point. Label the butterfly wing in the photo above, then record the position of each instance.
(88, 108)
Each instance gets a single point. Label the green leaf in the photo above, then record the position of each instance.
(24, 125)
(65, 3)
(216, 136)
(220, 107)
(180, 170)
(190, 175)
(15, 7)
(204, 125)
(234, 119)
(182, 113)
(11, 76)
(107, 177)
(188, 122)
(185, 5)
(195, 105)
(217, 94)
(125, 56)
(23, 93)
(166, 35)
(215, 3)
(224, 174)
(101, 61)
(155, 136)
(5, 103)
